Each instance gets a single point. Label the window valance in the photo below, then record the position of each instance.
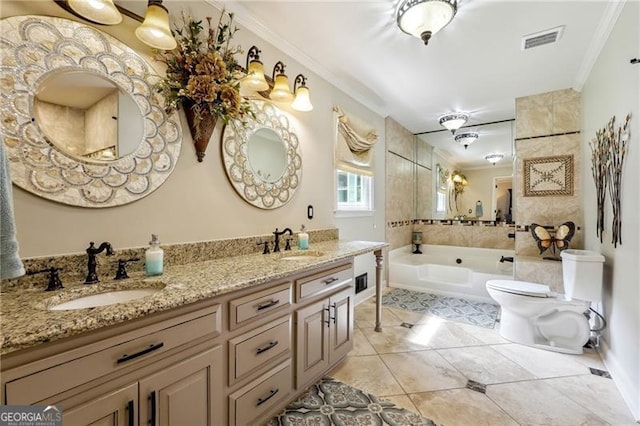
(354, 143)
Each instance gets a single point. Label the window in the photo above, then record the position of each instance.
(354, 191)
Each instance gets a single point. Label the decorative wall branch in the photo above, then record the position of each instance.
(599, 160)
(618, 140)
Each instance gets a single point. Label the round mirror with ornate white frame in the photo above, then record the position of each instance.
(33, 49)
(262, 158)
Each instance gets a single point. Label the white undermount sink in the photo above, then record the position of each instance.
(104, 299)
(303, 255)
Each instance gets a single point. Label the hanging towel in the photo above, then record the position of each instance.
(10, 263)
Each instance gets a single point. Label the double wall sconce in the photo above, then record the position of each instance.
(154, 31)
(280, 92)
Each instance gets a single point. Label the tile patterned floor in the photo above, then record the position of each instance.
(440, 368)
(452, 308)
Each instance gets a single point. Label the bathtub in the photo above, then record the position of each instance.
(449, 270)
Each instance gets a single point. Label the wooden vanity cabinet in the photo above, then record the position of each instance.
(324, 321)
(236, 359)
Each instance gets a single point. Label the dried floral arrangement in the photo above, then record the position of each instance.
(608, 151)
(203, 76)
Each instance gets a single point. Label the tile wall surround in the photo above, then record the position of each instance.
(484, 234)
(400, 165)
(536, 270)
(547, 124)
(74, 266)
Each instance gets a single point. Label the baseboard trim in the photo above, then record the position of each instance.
(630, 393)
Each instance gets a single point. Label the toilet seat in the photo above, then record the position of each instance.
(522, 288)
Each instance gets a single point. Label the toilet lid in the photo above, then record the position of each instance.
(520, 287)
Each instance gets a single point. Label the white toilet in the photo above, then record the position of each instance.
(534, 315)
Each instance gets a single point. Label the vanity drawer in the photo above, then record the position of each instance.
(321, 282)
(75, 367)
(251, 402)
(251, 351)
(256, 305)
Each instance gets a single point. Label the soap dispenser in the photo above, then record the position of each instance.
(303, 239)
(154, 257)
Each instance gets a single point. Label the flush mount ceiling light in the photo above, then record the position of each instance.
(99, 11)
(494, 158)
(453, 121)
(466, 139)
(424, 18)
(155, 30)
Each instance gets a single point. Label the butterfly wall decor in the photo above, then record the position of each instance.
(559, 240)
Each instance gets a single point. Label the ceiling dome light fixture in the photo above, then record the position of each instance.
(424, 18)
(494, 158)
(155, 30)
(453, 120)
(466, 139)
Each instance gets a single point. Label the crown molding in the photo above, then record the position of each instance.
(244, 17)
(600, 37)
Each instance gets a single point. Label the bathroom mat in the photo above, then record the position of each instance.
(472, 312)
(330, 402)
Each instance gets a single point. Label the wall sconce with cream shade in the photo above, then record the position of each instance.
(155, 30)
(280, 91)
(102, 12)
(467, 138)
(453, 120)
(424, 18)
(256, 81)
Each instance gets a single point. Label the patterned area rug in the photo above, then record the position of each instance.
(452, 308)
(330, 402)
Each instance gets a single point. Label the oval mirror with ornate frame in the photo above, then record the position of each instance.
(262, 158)
(35, 48)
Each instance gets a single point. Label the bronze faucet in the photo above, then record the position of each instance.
(92, 276)
(276, 240)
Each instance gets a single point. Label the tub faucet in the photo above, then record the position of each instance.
(506, 259)
(92, 276)
(276, 239)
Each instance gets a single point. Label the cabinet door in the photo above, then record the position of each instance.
(117, 408)
(187, 393)
(312, 332)
(341, 331)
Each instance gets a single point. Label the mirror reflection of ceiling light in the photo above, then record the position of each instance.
(494, 158)
(424, 18)
(453, 121)
(467, 138)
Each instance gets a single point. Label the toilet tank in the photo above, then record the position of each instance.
(582, 274)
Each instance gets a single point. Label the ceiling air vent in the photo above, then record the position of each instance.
(543, 37)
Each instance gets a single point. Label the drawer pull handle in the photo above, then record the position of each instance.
(268, 304)
(150, 348)
(272, 392)
(330, 280)
(130, 413)
(268, 346)
(152, 398)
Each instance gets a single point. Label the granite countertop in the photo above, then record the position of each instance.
(27, 321)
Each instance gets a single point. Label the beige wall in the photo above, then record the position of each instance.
(197, 203)
(101, 130)
(542, 124)
(613, 88)
(467, 235)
